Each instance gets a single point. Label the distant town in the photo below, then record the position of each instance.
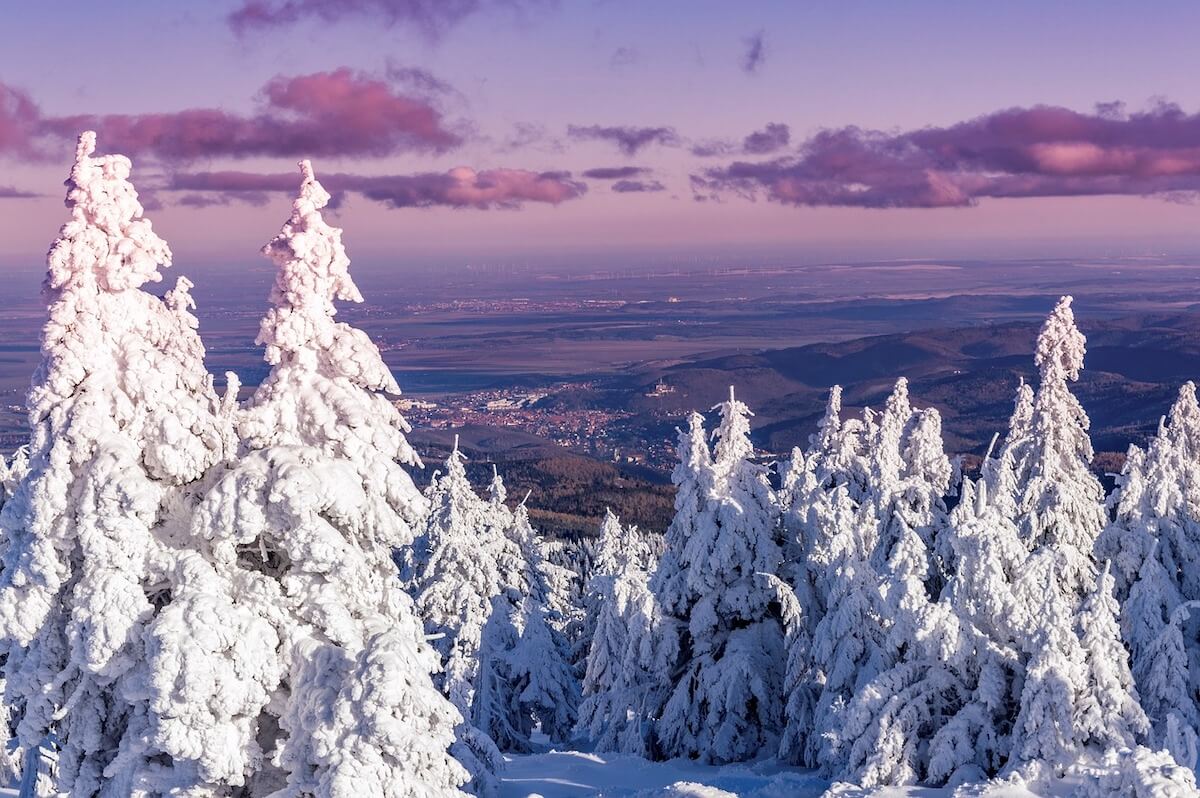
(597, 432)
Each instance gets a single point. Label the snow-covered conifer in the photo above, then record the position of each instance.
(124, 419)
(1161, 670)
(989, 555)
(693, 479)
(547, 686)
(1153, 542)
(1060, 503)
(1056, 674)
(837, 450)
(1108, 712)
(628, 656)
(458, 578)
(725, 702)
(290, 651)
(627, 678)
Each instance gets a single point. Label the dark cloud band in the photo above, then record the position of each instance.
(1042, 151)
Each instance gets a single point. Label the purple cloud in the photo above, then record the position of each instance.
(9, 192)
(616, 172)
(775, 136)
(418, 80)
(629, 140)
(336, 113)
(637, 186)
(461, 187)
(1041, 151)
(256, 198)
(433, 18)
(755, 53)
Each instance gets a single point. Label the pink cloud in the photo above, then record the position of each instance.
(1021, 152)
(337, 113)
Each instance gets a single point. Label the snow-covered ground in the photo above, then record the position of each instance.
(573, 774)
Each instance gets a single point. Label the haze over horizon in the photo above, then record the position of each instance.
(546, 131)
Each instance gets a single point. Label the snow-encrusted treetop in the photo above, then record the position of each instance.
(107, 240)
(1059, 498)
(1060, 346)
(328, 382)
(313, 270)
(830, 424)
(732, 435)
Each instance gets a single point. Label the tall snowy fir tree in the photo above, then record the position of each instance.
(541, 665)
(628, 655)
(289, 658)
(483, 589)
(458, 577)
(1060, 513)
(822, 491)
(725, 703)
(124, 420)
(985, 630)
(902, 688)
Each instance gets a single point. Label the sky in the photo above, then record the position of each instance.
(614, 131)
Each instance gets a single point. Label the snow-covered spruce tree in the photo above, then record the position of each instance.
(837, 453)
(545, 684)
(911, 476)
(1059, 501)
(847, 649)
(628, 656)
(508, 672)
(548, 688)
(819, 497)
(290, 659)
(1163, 671)
(725, 703)
(986, 658)
(1153, 542)
(626, 676)
(458, 577)
(123, 421)
(1108, 712)
(879, 738)
(1060, 514)
(693, 479)
(828, 535)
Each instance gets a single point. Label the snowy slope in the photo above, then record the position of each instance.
(573, 774)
